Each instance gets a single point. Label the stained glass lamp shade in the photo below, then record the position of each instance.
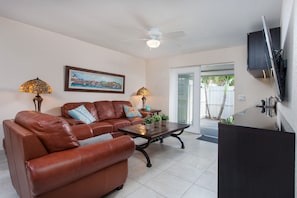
(37, 87)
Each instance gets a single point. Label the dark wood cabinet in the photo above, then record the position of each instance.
(256, 159)
(258, 59)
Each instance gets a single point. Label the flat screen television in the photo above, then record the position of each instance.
(276, 63)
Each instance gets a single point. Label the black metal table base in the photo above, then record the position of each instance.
(141, 147)
(148, 163)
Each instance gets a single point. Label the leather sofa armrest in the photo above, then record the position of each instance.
(60, 168)
(82, 131)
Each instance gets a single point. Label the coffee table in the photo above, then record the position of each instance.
(158, 133)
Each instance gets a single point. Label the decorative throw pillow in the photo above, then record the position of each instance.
(93, 140)
(82, 114)
(131, 112)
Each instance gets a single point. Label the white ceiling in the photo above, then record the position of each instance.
(123, 24)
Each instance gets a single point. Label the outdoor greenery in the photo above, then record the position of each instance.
(225, 81)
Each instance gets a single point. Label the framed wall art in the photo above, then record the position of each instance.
(79, 79)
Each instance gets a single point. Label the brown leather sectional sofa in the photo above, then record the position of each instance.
(46, 160)
(109, 115)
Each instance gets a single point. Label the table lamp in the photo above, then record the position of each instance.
(36, 86)
(143, 92)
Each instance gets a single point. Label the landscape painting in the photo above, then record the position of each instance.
(79, 79)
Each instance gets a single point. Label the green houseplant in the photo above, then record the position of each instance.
(165, 119)
(149, 122)
(157, 120)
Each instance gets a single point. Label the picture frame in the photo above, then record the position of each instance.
(86, 80)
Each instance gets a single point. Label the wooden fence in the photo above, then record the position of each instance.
(215, 96)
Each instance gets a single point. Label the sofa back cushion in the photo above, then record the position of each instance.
(72, 105)
(54, 132)
(119, 108)
(105, 110)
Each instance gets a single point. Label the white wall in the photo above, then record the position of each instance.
(157, 75)
(27, 52)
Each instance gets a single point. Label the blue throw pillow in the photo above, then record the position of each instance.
(82, 114)
(131, 112)
(93, 140)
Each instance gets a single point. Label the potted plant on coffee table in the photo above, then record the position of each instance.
(149, 122)
(157, 120)
(164, 119)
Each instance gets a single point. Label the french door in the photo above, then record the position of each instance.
(184, 101)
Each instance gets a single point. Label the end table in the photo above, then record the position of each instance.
(151, 112)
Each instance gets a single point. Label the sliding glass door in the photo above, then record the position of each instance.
(185, 96)
(217, 96)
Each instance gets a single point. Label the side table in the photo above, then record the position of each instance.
(151, 112)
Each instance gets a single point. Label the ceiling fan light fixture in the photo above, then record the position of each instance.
(153, 43)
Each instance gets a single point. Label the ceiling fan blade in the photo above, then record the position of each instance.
(135, 40)
(141, 22)
(171, 43)
(174, 35)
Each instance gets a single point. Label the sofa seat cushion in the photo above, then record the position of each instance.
(105, 110)
(54, 132)
(119, 123)
(101, 127)
(72, 105)
(136, 120)
(119, 108)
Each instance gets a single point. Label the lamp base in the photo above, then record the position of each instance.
(37, 102)
(143, 102)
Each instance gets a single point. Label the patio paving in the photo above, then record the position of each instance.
(209, 127)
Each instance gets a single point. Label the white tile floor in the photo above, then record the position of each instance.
(175, 172)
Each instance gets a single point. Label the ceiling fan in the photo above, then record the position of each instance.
(155, 36)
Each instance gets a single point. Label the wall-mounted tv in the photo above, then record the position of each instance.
(276, 62)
